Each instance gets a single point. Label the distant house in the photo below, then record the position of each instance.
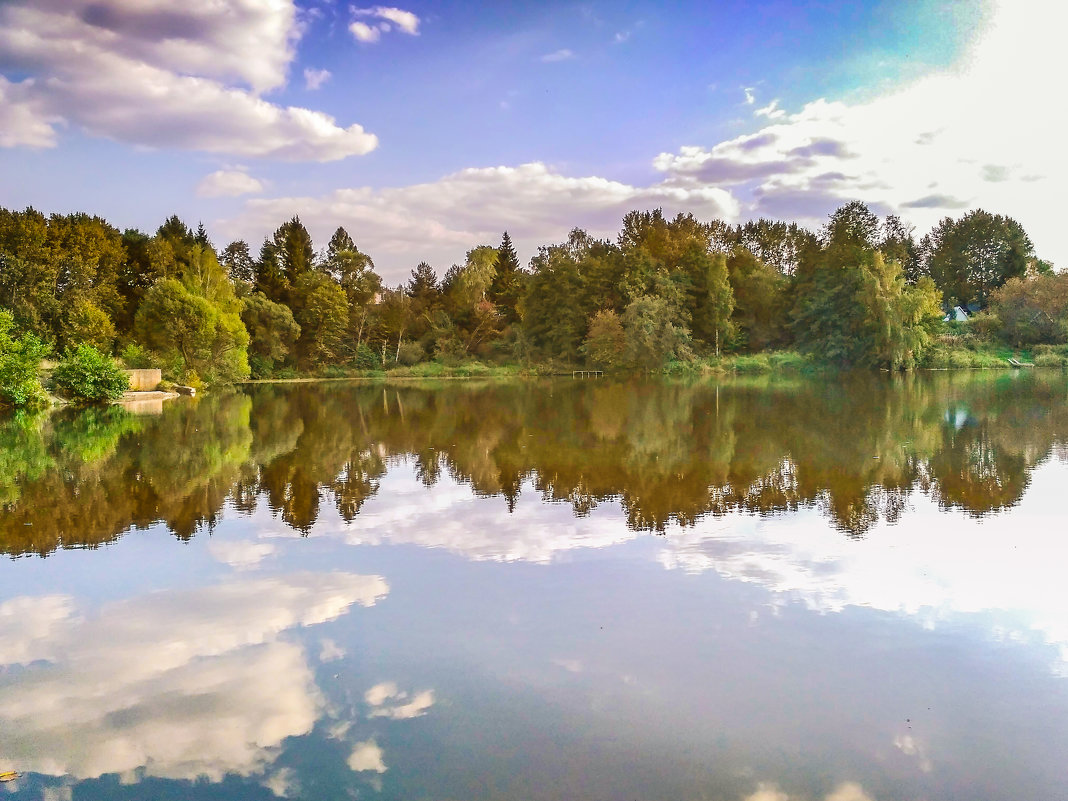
(956, 315)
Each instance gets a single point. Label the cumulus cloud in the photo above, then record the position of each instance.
(198, 682)
(558, 55)
(367, 756)
(389, 18)
(314, 79)
(917, 148)
(228, 183)
(440, 221)
(180, 74)
(364, 32)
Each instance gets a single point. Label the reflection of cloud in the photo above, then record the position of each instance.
(182, 683)
(849, 791)
(283, 783)
(27, 624)
(910, 746)
(402, 705)
(451, 517)
(330, 651)
(367, 756)
(933, 564)
(240, 554)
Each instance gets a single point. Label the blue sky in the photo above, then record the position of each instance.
(428, 128)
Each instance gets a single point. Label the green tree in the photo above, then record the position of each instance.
(712, 296)
(1033, 310)
(760, 295)
(90, 324)
(506, 288)
(971, 257)
(272, 332)
(650, 336)
(176, 322)
(323, 314)
(20, 358)
(239, 263)
(605, 340)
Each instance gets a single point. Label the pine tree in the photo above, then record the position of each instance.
(508, 283)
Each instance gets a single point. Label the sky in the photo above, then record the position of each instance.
(429, 128)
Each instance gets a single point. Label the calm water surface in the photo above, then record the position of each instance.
(847, 590)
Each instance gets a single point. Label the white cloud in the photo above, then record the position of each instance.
(364, 32)
(24, 119)
(390, 18)
(771, 111)
(367, 756)
(390, 702)
(982, 134)
(314, 79)
(198, 682)
(228, 183)
(440, 221)
(181, 74)
(621, 37)
(750, 97)
(558, 55)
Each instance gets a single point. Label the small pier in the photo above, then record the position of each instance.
(586, 374)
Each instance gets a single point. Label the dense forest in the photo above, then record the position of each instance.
(861, 292)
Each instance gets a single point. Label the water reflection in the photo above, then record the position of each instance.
(177, 684)
(670, 452)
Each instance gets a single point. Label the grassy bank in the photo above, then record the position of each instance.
(949, 353)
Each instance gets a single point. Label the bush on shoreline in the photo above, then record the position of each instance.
(88, 376)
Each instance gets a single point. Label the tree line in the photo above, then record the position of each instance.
(859, 292)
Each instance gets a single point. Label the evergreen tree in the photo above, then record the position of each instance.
(507, 286)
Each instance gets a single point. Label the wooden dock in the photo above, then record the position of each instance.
(587, 374)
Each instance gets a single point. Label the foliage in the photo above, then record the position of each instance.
(87, 375)
(90, 324)
(650, 337)
(20, 357)
(1033, 310)
(858, 292)
(136, 357)
(410, 353)
(272, 332)
(365, 359)
(605, 341)
(853, 307)
(971, 257)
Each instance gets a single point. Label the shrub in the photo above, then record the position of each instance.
(449, 350)
(136, 357)
(335, 371)
(1049, 359)
(411, 353)
(86, 374)
(365, 359)
(20, 384)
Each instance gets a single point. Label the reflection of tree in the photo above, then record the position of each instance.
(855, 447)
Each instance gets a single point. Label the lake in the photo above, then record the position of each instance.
(846, 588)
